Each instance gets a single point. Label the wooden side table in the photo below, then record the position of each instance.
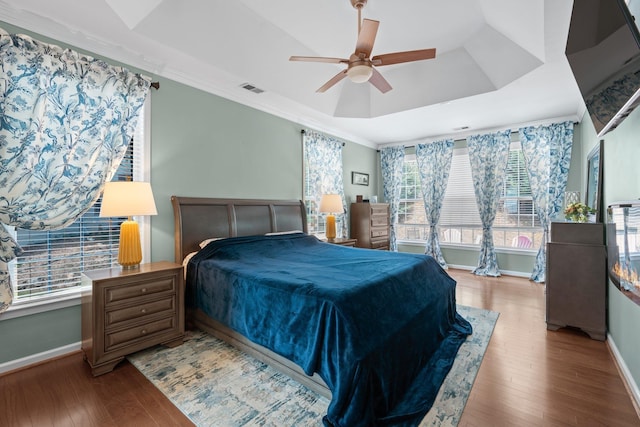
(343, 242)
(124, 311)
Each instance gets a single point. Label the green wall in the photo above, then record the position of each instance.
(207, 146)
(201, 146)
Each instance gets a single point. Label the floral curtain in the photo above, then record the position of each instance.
(323, 168)
(66, 120)
(488, 155)
(434, 163)
(547, 154)
(391, 165)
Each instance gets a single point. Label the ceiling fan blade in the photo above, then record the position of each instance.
(335, 79)
(379, 82)
(366, 37)
(399, 57)
(319, 59)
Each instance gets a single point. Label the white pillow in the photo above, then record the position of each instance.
(185, 261)
(279, 233)
(207, 241)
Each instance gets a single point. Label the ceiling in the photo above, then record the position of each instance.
(499, 63)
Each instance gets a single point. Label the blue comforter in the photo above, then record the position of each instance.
(380, 328)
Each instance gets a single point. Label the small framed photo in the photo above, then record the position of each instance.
(359, 178)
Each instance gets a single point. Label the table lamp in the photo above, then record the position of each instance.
(128, 198)
(331, 204)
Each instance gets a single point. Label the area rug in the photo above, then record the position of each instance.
(214, 384)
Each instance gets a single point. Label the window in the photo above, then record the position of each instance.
(516, 223)
(322, 173)
(53, 261)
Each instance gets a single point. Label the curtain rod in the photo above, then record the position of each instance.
(155, 85)
(302, 131)
(455, 140)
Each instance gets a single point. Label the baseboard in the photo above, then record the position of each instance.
(627, 378)
(503, 272)
(34, 359)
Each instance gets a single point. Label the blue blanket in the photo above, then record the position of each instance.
(380, 328)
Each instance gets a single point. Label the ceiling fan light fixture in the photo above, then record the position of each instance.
(359, 73)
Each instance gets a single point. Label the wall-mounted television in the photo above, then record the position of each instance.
(603, 50)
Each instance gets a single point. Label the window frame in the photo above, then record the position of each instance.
(72, 296)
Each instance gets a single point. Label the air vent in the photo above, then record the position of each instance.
(251, 88)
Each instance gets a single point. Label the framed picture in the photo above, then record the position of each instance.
(593, 197)
(359, 178)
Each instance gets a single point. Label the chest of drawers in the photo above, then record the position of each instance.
(370, 225)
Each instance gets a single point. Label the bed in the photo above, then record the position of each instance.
(374, 331)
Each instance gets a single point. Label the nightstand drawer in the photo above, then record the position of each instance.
(139, 289)
(165, 305)
(131, 335)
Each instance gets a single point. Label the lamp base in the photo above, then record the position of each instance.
(129, 250)
(330, 231)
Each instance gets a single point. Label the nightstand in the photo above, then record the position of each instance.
(343, 242)
(124, 311)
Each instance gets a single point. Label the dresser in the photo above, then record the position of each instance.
(370, 225)
(124, 311)
(576, 278)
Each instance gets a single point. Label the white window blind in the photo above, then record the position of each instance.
(459, 208)
(53, 261)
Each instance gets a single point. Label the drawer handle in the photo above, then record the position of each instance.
(143, 332)
(143, 290)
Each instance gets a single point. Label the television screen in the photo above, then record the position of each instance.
(603, 50)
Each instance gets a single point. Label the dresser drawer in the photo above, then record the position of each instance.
(166, 305)
(138, 289)
(379, 220)
(379, 232)
(379, 210)
(380, 244)
(132, 335)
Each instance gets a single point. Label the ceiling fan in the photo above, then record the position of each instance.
(360, 66)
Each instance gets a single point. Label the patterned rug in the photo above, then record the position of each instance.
(214, 384)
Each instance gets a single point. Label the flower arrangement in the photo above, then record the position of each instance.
(577, 212)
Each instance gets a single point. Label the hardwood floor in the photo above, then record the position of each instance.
(529, 377)
(534, 377)
(63, 393)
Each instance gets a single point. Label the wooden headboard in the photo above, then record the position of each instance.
(200, 218)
